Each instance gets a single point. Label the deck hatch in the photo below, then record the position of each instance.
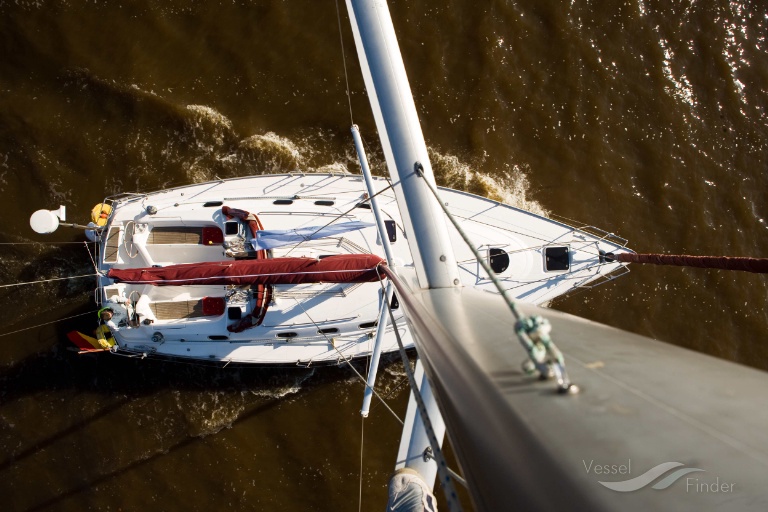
(557, 258)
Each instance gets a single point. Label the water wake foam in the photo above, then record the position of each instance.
(165, 144)
(208, 412)
(511, 187)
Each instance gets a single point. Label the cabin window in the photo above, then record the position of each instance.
(231, 227)
(212, 235)
(213, 306)
(368, 325)
(282, 201)
(234, 313)
(211, 204)
(328, 330)
(325, 203)
(218, 337)
(366, 206)
(498, 259)
(557, 258)
(391, 230)
(287, 334)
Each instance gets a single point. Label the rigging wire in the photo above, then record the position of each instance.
(337, 218)
(43, 243)
(362, 439)
(344, 60)
(347, 359)
(443, 471)
(95, 266)
(538, 237)
(47, 280)
(491, 274)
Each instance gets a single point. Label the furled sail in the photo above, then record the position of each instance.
(269, 239)
(349, 268)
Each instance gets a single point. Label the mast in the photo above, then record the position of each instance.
(406, 152)
(403, 142)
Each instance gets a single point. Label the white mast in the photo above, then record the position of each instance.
(425, 226)
(403, 142)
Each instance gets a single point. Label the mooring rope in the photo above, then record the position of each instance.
(755, 265)
(47, 280)
(47, 323)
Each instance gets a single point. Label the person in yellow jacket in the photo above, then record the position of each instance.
(106, 326)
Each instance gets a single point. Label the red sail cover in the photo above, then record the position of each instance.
(351, 268)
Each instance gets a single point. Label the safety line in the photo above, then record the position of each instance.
(47, 323)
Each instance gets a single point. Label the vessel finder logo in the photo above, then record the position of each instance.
(649, 476)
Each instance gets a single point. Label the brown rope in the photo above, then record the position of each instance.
(757, 265)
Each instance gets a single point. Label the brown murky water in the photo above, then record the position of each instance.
(645, 118)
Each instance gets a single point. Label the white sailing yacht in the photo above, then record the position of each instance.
(249, 270)
(313, 217)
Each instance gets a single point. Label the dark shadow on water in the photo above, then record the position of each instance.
(45, 443)
(120, 381)
(91, 484)
(108, 374)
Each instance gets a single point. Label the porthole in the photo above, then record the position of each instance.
(498, 259)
